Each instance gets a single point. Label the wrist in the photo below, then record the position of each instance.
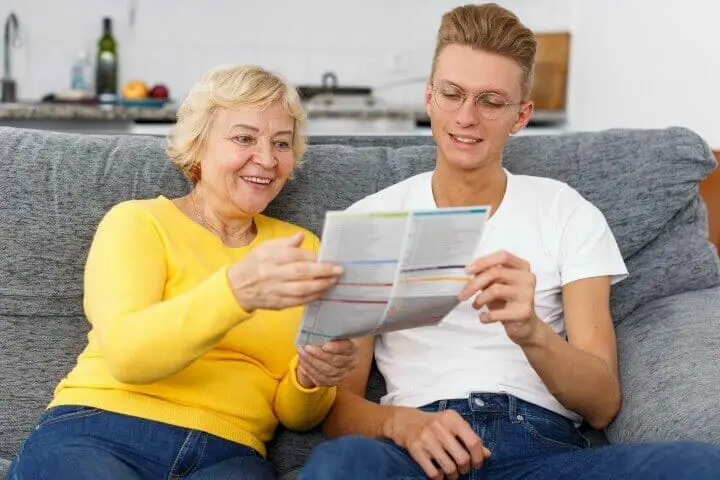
(303, 380)
(388, 428)
(238, 290)
(538, 334)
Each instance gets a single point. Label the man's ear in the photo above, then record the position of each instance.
(428, 98)
(524, 115)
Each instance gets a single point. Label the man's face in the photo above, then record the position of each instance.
(471, 130)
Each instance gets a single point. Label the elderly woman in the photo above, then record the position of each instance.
(194, 304)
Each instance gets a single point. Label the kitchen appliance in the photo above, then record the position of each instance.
(330, 92)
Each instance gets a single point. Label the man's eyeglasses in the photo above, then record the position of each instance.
(489, 105)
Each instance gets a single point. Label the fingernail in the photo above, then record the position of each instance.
(337, 269)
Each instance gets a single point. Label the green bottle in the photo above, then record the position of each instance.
(106, 70)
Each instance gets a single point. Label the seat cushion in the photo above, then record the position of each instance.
(668, 357)
(4, 465)
(35, 353)
(59, 187)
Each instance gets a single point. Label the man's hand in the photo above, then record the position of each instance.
(441, 439)
(507, 287)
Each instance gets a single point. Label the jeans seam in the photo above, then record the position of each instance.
(172, 475)
(198, 458)
(543, 439)
(53, 420)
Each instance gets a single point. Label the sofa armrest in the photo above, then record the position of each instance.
(668, 357)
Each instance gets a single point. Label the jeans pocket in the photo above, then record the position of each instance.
(555, 432)
(430, 407)
(66, 412)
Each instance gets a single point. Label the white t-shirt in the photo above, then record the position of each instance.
(546, 222)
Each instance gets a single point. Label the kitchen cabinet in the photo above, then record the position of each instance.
(549, 89)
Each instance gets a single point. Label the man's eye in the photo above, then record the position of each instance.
(282, 146)
(491, 104)
(491, 101)
(450, 95)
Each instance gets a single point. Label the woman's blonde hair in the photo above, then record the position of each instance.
(491, 28)
(229, 87)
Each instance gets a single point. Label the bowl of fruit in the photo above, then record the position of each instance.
(137, 93)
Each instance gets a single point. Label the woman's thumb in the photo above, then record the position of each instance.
(294, 240)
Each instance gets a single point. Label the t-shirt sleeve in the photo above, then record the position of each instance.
(587, 245)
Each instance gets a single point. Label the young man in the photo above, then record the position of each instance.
(498, 389)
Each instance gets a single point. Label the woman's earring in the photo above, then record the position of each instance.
(195, 170)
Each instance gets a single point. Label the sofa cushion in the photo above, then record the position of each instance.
(668, 358)
(35, 353)
(57, 188)
(4, 465)
(646, 184)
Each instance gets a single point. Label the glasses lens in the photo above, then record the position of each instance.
(491, 106)
(448, 98)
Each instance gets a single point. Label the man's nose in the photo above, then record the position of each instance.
(467, 114)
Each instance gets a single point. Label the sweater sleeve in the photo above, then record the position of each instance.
(142, 337)
(300, 408)
(297, 407)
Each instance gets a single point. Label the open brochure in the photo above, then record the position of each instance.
(401, 270)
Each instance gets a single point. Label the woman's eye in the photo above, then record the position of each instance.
(244, 139)
(282, 146)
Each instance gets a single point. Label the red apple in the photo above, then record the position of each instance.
(159, 91)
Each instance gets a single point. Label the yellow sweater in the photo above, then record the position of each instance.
(170, 343)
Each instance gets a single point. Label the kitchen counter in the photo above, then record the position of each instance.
(65, 111)
(336, 118)
(60, 111)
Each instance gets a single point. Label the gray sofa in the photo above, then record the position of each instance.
(54, 188)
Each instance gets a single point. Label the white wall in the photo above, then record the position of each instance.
(369, 42)
(639, 63)
(644, 64)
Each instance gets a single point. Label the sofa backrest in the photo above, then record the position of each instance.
(55, 187)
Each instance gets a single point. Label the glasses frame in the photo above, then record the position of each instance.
(436, 89)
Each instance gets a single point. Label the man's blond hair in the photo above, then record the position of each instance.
(490, 28)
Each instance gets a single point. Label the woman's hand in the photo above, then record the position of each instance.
(327, 365)
(279, 274)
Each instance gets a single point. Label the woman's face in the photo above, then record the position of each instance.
(247, 158)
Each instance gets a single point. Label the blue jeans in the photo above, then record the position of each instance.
(526, 441)
(79, 443)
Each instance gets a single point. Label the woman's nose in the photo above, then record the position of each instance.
(264, 155)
